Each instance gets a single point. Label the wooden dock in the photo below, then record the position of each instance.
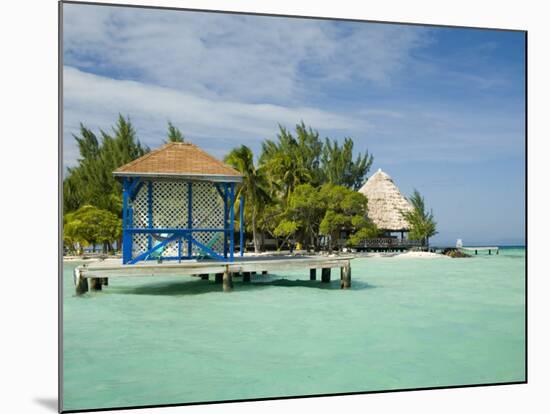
(94, 275)
(481, 249)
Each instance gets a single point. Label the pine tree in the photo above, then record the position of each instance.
(174, 134)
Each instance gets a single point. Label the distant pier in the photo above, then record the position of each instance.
(481, 249)
(445, 250)
(95, 275)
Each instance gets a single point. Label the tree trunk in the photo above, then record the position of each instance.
(254, 233)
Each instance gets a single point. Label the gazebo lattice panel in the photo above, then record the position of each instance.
(164, 205)
(169, 199)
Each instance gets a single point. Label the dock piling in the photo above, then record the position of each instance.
(345, 276)
(204, 276)
(246, 276)
(105, 281)
(219, 278)
(227, 281)
(81, 283)
(312, 274)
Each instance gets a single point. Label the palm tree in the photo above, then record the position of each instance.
(423, 225)
(253, 186)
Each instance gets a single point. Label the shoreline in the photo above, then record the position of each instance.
(386, 255)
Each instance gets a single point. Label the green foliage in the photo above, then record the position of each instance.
(90, 225)
(338, 166)
(306, 209)
(422, 223)
(92, 181)
(286, 228)
(174, 134)
(292, 160)
(326, 210)
(346, 209)
(310, 186)
(254, 186)
(302, 158)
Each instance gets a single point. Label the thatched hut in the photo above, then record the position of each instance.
(386, 203)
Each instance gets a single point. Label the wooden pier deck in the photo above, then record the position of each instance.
(94, 275)
(484, 248)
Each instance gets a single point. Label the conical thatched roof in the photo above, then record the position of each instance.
(385, 202)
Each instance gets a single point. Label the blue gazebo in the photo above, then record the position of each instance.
(178, 204)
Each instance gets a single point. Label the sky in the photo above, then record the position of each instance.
(441, 109)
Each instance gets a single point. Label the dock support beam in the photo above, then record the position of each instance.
(105, 281)
(227, 281)
(264, 272)
(312, 274)
(219, 277)
(246, 276)
(345, 276)
(204, 276)
(325, 275)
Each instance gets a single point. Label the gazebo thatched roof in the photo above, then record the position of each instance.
(385, 202)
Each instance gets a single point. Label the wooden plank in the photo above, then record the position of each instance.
(116, 269)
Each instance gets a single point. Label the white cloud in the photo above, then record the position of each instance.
(254, 58)
(96, 101)
(401, 133)
(228, 79)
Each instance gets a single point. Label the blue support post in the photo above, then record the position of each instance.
(241, 225)
(225, 214)
(150, 210)
(189, 218)
(126, 237)
(232, 221)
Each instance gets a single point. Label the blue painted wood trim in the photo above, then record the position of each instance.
(169, 230)
(146, 254)
(225, 214)
(205, 248)
(136, 191)
(241, 226)
(189, 217)
(150, 210)
(220, 191)
(126, 236)
(232, 221)
(134, 187)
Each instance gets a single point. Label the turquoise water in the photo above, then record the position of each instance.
(405, 323)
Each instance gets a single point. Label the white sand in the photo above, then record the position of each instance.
(405, 255)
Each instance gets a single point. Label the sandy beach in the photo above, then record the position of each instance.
(396, 255)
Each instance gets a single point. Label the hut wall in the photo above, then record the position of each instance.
(169, 209)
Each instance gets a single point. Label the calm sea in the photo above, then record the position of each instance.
(405, 323)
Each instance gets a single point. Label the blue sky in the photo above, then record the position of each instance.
(441, 109)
